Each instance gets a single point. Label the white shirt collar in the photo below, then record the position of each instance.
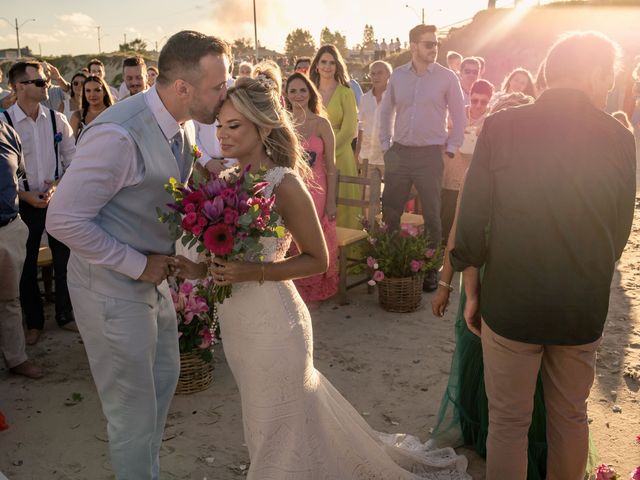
(19, 115)
(165, 120)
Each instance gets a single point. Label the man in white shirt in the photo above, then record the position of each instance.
(96, 67)
(369, 148)
(48, 145)
(134, 76)
(105, 210)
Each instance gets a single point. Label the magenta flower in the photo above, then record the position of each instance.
(605, 472)
(429, 252)
(214, 187)
(207, 338)
(186, 288)
(189, 207)
(197, 230)
(219, 239)
(635, 475)
(378, 276)
(230, 216)
(416, 265)
(371, 262)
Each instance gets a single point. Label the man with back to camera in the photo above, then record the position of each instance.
(547, 208)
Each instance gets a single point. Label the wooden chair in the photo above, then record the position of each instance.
(349, 237)
(45, 263)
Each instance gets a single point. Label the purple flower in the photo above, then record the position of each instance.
(214, 187)
(429, 252)
(635, 475)
(213, 209)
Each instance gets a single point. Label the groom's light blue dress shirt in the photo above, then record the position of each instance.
(108, 161)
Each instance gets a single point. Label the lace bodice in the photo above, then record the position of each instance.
(275, 249)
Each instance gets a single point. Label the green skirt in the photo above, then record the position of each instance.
(463, 418)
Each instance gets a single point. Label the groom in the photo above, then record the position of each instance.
(105, 211)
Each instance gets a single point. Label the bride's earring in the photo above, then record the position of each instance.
(267, 151)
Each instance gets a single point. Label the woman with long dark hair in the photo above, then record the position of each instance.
(96, 97)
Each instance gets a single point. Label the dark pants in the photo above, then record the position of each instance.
(449, 200)
(421, 167)
(30, 297)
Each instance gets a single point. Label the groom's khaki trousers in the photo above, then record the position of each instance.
(135, 362)
(511, 370)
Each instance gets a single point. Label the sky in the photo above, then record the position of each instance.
(70, 26)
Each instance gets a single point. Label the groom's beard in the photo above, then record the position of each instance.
(205, 117)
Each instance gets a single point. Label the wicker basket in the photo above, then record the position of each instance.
(401, 294)
(195, 374)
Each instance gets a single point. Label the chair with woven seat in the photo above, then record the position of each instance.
(350, 237)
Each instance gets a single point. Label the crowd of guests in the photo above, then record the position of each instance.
(418, 125)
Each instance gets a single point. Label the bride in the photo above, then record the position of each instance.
(297, 426)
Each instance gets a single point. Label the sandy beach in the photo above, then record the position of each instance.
(392, 367)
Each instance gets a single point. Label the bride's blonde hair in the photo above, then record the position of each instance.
(258, 100)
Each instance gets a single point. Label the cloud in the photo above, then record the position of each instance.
(78, 23)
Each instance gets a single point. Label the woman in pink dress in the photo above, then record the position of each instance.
(303, 102)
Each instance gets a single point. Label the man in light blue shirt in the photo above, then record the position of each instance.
(419, 96)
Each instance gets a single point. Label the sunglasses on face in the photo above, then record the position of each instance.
(479, 101)
(38, 82)
(470, 72)
(429, 44)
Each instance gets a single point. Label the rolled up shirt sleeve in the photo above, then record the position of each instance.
(104, 163)
(387, 110)
(471, 244)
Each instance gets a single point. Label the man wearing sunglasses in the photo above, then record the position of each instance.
(48, 146)
(419, 95)
(469, 73)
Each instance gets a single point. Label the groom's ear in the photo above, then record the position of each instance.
(182, 88)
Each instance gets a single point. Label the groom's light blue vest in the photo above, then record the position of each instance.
(130, 216)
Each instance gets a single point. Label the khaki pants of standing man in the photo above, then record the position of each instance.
(510, 371)
(13, 249)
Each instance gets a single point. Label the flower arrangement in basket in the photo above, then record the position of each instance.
(606, 472)
(398, 261)
(222, 216)
(197, 321)
(197, 331)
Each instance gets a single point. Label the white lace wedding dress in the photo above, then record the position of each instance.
(297, 426)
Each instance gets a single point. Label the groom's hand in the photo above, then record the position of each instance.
(158, 268)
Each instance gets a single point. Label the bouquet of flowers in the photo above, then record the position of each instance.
(195, 310)
(222, 216)
(398, 254)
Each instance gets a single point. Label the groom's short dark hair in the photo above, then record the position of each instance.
(180, 56)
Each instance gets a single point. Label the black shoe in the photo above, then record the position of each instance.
(64, 318)
(430, 281)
